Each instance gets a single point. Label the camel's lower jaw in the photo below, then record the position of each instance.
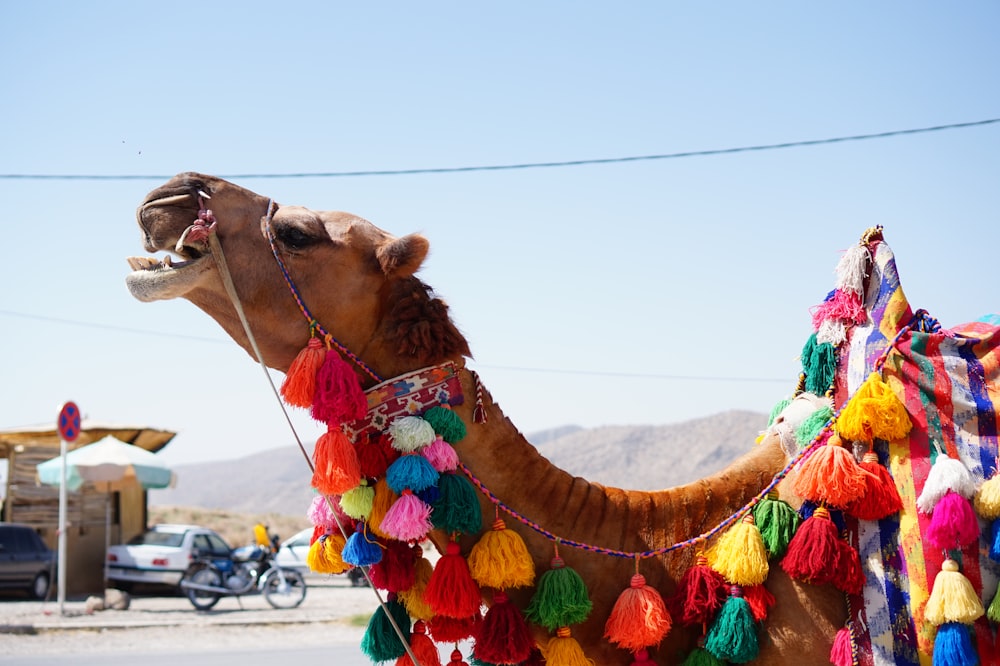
(153, 280)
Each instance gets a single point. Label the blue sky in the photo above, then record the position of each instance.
(646, 292)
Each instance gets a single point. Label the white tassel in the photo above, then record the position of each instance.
(852, 268)
(833, 331)
(410, 434)
(946, 474)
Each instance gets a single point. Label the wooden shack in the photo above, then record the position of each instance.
(27, 501)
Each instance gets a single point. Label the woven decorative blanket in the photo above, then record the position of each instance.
(949, 381)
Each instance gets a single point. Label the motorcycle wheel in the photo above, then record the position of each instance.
(203, 574)
(285, 589)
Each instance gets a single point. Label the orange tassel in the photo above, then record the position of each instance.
(831, 475)
(336, 464)
(382, 502)
(299, 385)
(639, 618)
(881, 498)
(423, 648)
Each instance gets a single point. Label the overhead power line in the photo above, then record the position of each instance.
(524, 165)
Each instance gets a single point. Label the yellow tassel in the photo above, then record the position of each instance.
(953, 599)
(874, 412)
(740, 555)
(324, 555)
(563, 650)
(500, 559)
(381, 503)
(413, 598)
(987, 498)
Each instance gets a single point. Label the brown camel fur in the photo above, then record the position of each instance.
(359, 283)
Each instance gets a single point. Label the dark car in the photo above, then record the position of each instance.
(26, 563)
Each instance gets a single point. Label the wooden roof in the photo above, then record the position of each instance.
(150, 439)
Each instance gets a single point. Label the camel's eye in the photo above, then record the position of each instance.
(293, 237)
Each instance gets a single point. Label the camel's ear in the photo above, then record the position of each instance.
(402, 256)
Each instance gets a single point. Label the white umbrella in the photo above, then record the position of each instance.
(110, 464)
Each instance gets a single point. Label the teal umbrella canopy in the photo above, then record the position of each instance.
(109, 462)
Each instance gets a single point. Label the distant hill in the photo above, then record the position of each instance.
(636, 457)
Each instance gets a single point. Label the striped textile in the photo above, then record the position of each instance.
(950, 383)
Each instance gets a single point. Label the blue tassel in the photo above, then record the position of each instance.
(995, 540)
(953, 646)
(359, 550)
(411, 471)
(429, 495)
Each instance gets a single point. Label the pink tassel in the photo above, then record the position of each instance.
(842, 653)
(642, 658)
(441, 455)
(319, 514)
(843, 305)
(408, 519)
(953, 523)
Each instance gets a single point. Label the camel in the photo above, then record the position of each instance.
(359, 282)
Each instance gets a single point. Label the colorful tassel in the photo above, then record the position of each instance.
(338, 397)
(456, 659)
(413, 596)
(357, 502)
(560, 598)
(411, 471)
(849, 576)
(813, 551)
(953, 646)
(987, 498)
(336, 468)
(423, 648)
(381, 503)
(993, 612)
(830, 475)
(881, 498)
(641, 658)
(325, 555)
(760, 600)
(500, 559)
(953, 599)
(381, 641)
(819, 365)
(410, 434)
(299, 385)
(740, 555)
(326, 512)
(842, 653)
(360, 550)
(639, 618)
(832, 331)
(733, 635)
(995, 540)
(408, 519)
(813, 425)
(446, 629)
(503, 636)
(451, 591)
(457, 508)
(395, 572)
(700, 593)
(702, 657)
(777, 522)
(446, 423)
(441, 455)
(563, 650)
(375, 454)
(953, 523)
(873, 412)
(946, 474)
(852, 269)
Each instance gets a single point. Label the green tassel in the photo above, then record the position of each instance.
(777, 409)
(777, 522)
(733, 634)
(822, 368)
(560, 598)
(457, 507)
(807, 354)
(702, 657)
(446, 423)
(993, 612)
(381, 642)
(812, 425)
(357, 502)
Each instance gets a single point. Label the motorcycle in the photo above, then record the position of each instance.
(247, 570)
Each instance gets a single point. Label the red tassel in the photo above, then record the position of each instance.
(454, 629)
(881, 498)
(842, 653)
(396, 571)
(700, 593)
(849, 577)
(639, 618)
(423, 648)
(642, 658)
(812, 552)
(335, 463)
(830, 475)
(953, 523)
(339, 397)
(375, 454)
(760, 599)
(504, 636)
(456, 659)
(451, 590)
(299, 385)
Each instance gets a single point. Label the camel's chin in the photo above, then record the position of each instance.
(153, 280)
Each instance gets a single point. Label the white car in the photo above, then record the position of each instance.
(161, 554)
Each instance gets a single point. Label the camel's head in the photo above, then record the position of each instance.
(350, 274)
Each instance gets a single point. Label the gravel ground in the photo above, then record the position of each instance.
(332, 613)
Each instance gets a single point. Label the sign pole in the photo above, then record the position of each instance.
(68, 425)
